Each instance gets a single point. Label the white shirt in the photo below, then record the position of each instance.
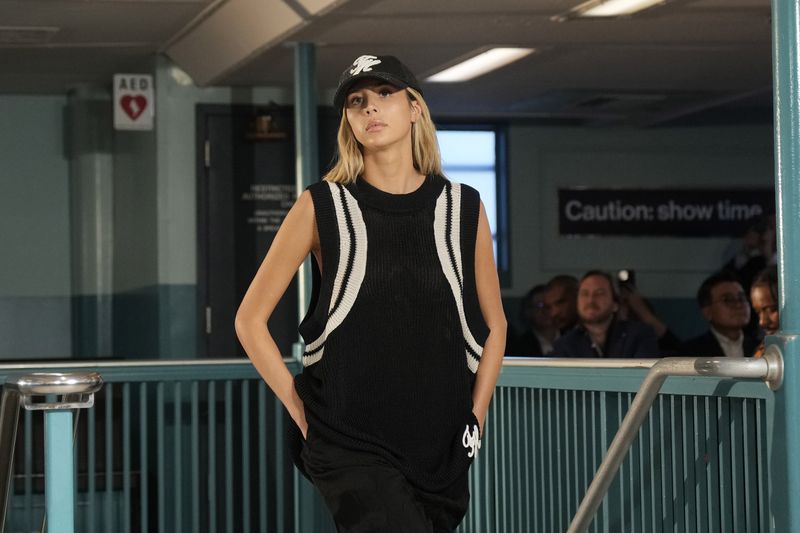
(546, 345)
(729, 347)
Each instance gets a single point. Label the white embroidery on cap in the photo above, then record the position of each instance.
(364, 64)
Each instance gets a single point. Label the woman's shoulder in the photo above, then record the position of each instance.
(470, 198)
(321, 197)
(319, 187)
(464, 188)
(321, 191)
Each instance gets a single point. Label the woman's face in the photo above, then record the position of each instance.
(766, 308)
(380, 114)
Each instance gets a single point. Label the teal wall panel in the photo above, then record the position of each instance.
(178, 321)
(151, 322)
(682, 315)
(34, 203)
(156, 322)
(87, 326)
(35, 327)
(136, 324)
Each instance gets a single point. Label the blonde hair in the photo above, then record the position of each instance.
(424, 147)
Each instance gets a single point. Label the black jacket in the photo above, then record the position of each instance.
(707, 345)
(523, 345)
(624, 339)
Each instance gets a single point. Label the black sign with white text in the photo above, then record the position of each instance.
(669, 212)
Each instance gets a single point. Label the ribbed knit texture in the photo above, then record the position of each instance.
(387, 365)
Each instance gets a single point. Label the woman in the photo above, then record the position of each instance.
(405, 332)
(764, 298)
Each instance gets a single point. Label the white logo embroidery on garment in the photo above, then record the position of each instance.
(471, 441)
(364, 64)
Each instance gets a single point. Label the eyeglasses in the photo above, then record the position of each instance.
(732, 300)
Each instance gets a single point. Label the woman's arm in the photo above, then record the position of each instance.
(296, 237)
(488, 286)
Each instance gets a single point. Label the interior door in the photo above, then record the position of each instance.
(246, 187)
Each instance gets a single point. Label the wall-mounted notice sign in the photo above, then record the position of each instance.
(134, 102)
(666, 212)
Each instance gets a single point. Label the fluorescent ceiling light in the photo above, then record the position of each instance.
(617, 8)
(480, 64)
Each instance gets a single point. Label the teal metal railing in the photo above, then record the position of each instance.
(169, 446)
(699, 463)
(59, 396)
(198, 446)
(769, 369)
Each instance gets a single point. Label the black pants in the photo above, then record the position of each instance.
(367, 494)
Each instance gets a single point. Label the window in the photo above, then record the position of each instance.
(470, 155)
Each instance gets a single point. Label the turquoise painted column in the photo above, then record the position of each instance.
(58, 474)
(62, 392)
(784, 462)
(88, 139)
(306, 147)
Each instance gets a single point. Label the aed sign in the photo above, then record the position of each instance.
(134, 102)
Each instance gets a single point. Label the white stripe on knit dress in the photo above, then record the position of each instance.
(343, 204)
(454, 272)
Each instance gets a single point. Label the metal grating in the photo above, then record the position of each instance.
(699, 464)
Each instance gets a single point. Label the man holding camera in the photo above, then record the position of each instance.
(599, 332)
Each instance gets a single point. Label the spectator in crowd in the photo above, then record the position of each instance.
(538, 332)
(561, 300)
(633, 306)
(756, 252)
(764, 298)
(724, 304)
(599, 332)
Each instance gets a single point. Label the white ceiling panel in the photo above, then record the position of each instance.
(101, 22)
(691, 52)
(506, 29)
(728, 4)
(319, 7)
(423, 7)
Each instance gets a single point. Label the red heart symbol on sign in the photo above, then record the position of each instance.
(133, 105)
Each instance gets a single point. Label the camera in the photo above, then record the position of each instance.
(626, 278)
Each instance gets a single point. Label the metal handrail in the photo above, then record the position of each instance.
(556, 362)
(138, 363)
(76, 390)
(9, 417)
(509, 360)
(768, 368)
(578, 362)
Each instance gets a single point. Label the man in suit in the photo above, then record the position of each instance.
(538, 331)
(600, 333)
(561, 302)
(724, 304)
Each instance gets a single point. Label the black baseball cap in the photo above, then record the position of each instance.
(386, 68)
